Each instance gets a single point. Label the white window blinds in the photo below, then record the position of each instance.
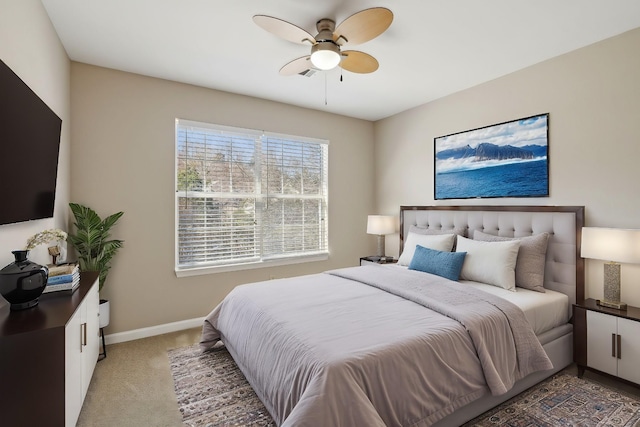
(244, 196)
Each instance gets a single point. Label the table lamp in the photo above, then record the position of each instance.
(381, 225)
(613, 245)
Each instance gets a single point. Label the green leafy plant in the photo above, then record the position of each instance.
(91, 240)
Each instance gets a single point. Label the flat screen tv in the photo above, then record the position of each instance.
(29, 146)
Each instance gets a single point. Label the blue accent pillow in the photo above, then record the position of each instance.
(444, 264)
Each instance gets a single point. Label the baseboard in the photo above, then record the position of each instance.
(151, 331)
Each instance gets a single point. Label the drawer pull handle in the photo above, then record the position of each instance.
(83, 335)
(619, 347)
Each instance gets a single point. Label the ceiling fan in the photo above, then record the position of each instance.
(326, 52)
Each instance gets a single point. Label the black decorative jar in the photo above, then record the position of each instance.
(22, 281)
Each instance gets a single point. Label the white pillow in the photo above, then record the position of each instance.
(532, 257)
(438, 242)
(493, 263)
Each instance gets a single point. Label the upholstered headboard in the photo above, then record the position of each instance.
(564, 270)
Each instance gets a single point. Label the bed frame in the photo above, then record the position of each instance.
(564, 269)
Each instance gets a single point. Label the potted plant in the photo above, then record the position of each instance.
(95, 250)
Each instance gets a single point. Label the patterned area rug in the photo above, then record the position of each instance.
(564, 400)
(211, 391)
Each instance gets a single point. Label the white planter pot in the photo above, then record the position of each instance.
(104, 313)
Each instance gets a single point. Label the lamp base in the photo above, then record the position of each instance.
(612, 287)
(381, 250)
(612, 304)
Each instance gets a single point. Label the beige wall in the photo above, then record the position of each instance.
(123, 159)
(593, 98)
(30, 46)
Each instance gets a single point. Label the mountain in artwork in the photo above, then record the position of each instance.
(487, 151)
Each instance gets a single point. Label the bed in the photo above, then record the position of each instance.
(389, 345)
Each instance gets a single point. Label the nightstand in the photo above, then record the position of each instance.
(607, 340)
(377, 260)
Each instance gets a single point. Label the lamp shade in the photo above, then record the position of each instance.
(381, 224)
(611, 244)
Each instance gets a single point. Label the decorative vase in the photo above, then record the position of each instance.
(22, 281)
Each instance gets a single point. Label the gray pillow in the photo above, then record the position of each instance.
(531, 258)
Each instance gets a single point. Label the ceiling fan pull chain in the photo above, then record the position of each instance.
(325, 88)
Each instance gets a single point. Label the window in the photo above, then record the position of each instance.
(246, 198)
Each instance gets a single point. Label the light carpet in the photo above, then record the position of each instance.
(212, 391)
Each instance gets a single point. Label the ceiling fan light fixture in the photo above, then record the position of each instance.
(326, 46)
(325, 55)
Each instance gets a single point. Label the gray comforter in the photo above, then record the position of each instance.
(372, 346)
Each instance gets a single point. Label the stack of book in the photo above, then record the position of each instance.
(63, 278)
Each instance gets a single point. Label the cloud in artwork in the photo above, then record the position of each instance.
(518, 133)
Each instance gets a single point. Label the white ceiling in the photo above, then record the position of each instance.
(433, 47)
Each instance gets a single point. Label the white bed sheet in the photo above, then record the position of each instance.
(544, 311)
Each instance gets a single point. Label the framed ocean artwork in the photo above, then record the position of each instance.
(509, 159)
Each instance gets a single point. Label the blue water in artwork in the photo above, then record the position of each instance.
(525, 179)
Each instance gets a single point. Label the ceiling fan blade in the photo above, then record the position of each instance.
(284, 29)
(363, 26)
(296, 66)
(358, 62)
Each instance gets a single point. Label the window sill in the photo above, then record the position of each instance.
(198, 271)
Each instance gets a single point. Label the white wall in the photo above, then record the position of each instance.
(30, 46)
(592, 96)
